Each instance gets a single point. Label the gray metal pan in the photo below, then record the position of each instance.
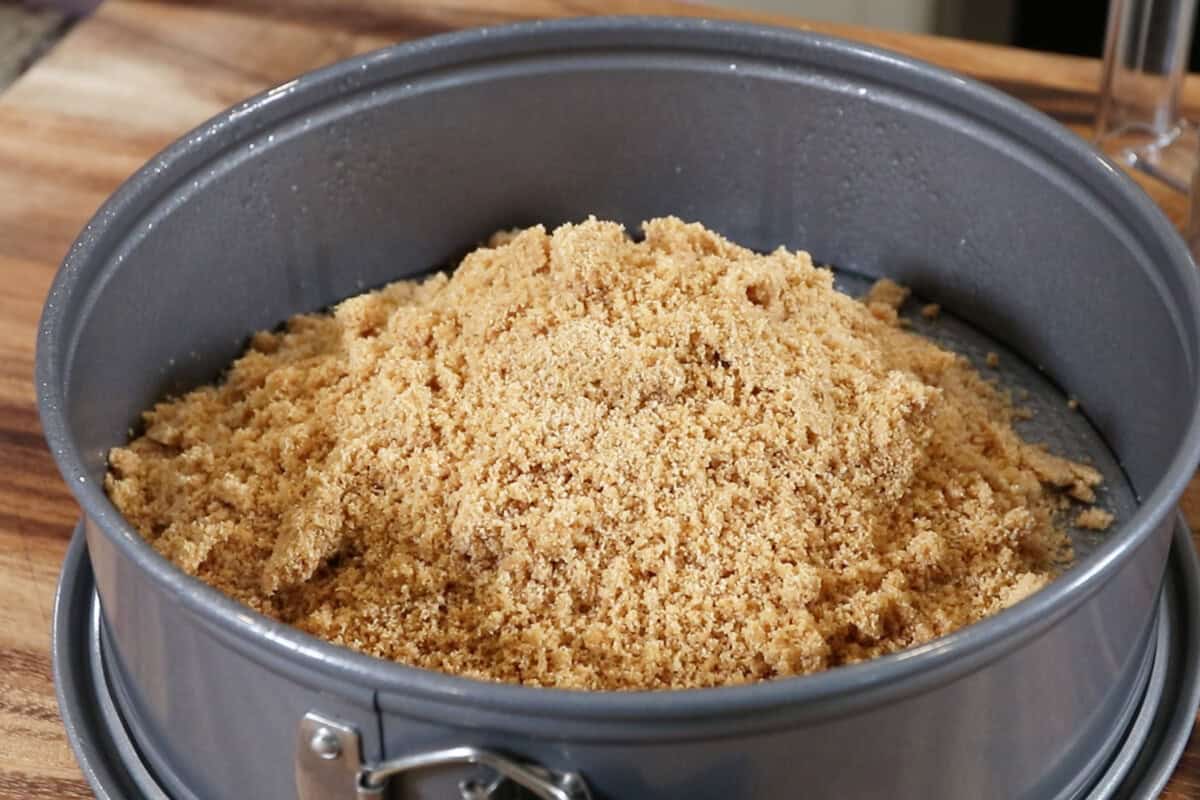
(396, 162)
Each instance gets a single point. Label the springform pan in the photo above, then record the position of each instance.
(399, 161)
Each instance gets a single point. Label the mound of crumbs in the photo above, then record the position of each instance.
(586, 461)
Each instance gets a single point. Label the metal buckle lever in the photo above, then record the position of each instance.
(329, 765)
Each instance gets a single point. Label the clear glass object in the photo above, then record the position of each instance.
(1146, 53)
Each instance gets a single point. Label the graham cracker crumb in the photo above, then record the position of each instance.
(931, 311)
(886, 292)
(993, 360)
(1072, 404)
(583, 461)
(1056, 471)
(1082, 492)
(1095, 519)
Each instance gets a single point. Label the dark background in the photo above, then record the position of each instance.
(1068, 26)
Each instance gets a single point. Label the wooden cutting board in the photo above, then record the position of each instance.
(137, 75)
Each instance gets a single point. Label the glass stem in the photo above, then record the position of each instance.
(1145, 60)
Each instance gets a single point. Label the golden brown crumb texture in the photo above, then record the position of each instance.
(585, 461)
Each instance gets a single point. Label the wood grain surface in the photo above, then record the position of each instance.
(138, 74)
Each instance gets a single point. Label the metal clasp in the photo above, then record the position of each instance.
(329, 765)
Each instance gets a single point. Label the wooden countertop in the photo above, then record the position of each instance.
(136, 75)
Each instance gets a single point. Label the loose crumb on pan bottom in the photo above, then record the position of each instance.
(1096, 519)
(585, 461)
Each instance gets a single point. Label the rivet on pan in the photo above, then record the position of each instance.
(325, 744)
